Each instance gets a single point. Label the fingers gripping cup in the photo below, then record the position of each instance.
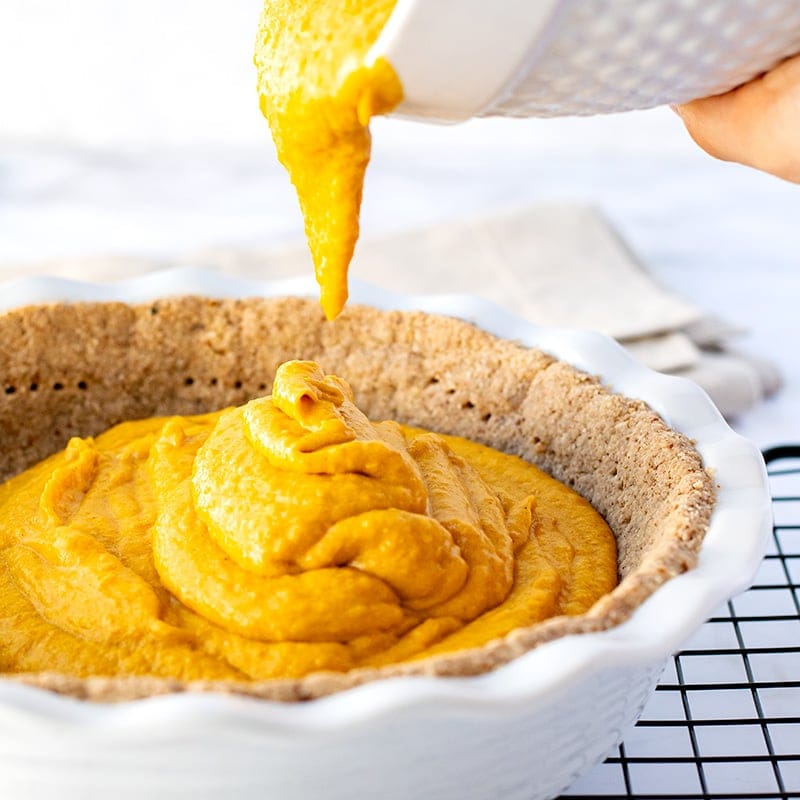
(459, 59)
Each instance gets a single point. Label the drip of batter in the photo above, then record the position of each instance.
(318, 96)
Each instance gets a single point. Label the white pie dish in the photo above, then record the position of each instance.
(527, 729)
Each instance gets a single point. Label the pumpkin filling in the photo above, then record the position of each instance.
(318, 95)
(283, 537)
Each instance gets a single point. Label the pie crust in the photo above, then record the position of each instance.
(77, 369)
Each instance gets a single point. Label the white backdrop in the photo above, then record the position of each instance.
(132, 128)
(110, 73)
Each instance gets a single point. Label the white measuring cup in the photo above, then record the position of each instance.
(459, 59)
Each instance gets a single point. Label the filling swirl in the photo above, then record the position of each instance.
(301, 520)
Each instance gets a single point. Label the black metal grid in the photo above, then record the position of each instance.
(724, 722)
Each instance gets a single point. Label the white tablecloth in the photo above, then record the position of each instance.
(130, 130)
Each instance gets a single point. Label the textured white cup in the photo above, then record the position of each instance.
(543, 58)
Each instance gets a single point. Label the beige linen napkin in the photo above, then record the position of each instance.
(558, 265)
(555, 265)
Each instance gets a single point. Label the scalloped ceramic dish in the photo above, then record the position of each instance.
(526, 729)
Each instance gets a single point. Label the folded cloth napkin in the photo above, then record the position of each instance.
(555, 265)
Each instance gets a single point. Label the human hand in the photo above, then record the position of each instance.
(757, 124)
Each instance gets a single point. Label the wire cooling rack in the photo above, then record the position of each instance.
(724, 722)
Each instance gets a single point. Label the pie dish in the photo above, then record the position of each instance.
(455, 726)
